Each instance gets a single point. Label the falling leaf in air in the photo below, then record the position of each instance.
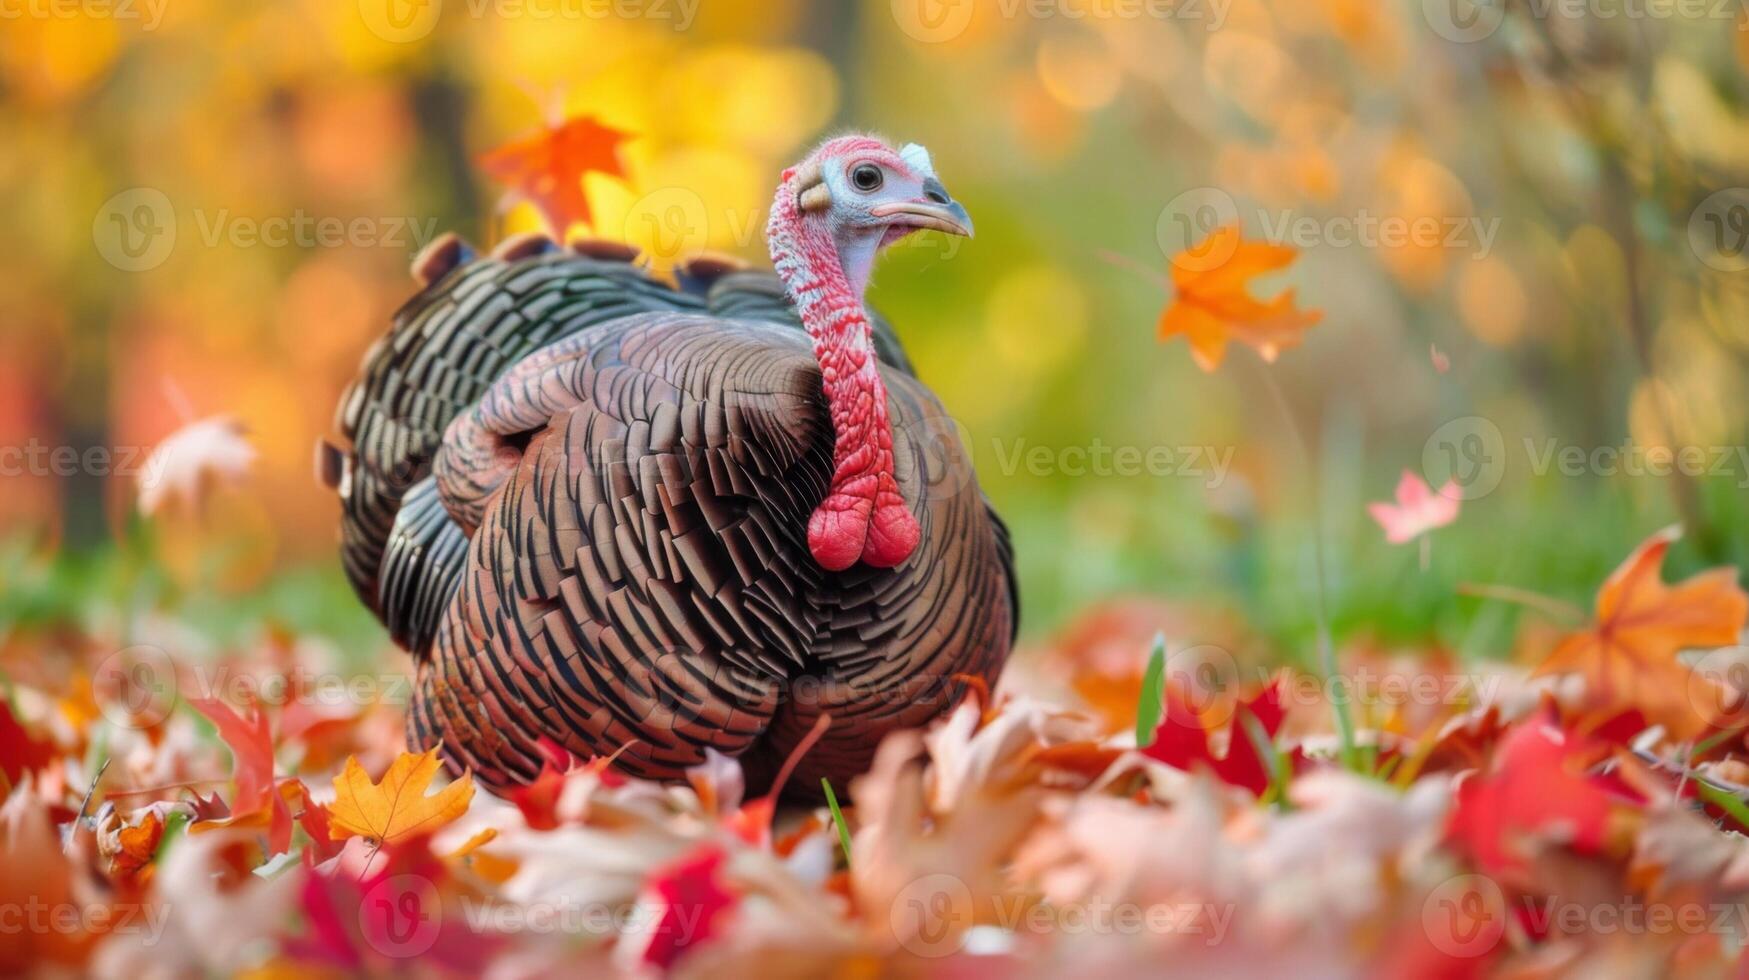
(1628, 657)
(548, 168)
(192, 462)
(1418, 510)
(396, 808)
(1214, 305)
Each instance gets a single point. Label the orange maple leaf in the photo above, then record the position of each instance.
(1628, 657)
(136, 845)
(396, 808)
(548, 168)
(1213, 305)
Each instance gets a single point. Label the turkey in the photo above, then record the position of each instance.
(654, 520)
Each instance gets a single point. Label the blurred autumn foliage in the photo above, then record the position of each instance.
(1494, 253)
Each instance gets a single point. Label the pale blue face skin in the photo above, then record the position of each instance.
(879, 198)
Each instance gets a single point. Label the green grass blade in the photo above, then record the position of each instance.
(837, 819)
(1153, 699)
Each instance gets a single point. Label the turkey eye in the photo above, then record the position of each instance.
(866, 177)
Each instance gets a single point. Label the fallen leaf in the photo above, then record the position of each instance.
(1183, 742)
(1537, 795)
(1418, 509)
(137, 844)
(1628, 657)
(251, 745)
(548, 168)
(689, 901)
(396, 808)
(1214, 306)
(20, 751)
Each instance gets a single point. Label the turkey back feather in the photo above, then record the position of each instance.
(475, 318)
(578, 495)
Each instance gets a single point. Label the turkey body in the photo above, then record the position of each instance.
(579, 497)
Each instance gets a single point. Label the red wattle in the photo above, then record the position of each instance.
(863, 516)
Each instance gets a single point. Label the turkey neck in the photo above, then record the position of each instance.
(863, 516)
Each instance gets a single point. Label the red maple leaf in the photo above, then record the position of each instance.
(547, 168)
(1183, 742)
(539, 799)
(251, 745)
(693, 901)
(258, 799)
(1538, 792)
(20, 751)
(367, 919)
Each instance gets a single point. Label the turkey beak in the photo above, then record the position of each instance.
(934, 210)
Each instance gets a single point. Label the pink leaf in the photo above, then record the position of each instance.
(1418, 509)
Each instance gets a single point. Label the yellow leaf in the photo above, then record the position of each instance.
(396, 808)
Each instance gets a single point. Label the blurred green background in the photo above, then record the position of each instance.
(1570, 174)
